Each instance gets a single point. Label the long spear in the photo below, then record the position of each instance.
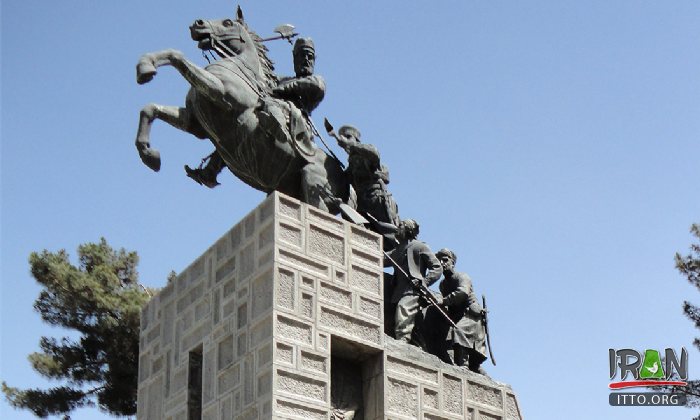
(430, 297)
(427, 294)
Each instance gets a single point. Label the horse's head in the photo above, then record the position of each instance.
(232, 38)
(226, 36)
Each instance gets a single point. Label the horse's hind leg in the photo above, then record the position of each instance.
(315, 189)
(178, 117)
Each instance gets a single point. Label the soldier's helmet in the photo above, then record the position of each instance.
(303, 44)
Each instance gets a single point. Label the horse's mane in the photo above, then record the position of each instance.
(268, 66)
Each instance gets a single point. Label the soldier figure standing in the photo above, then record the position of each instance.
(420, 264)
(461, 305)
(369, 177)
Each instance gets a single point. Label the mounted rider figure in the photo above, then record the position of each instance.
(306, 91)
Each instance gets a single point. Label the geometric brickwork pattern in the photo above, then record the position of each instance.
(421, 386)
(251, 328)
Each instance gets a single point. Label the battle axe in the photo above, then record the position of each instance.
(285, 31)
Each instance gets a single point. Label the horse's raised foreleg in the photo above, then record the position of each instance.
(203, 81)
(177, 117)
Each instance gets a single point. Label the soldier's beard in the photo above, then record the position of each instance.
(306, 68)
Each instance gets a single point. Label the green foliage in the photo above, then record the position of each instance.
(689, 266)
(100, 300)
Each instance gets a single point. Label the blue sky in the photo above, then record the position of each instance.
(552, 144)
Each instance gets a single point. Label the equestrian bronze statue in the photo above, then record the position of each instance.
(265, 140)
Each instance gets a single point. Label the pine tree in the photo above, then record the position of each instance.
(100, 301)
(689, 266)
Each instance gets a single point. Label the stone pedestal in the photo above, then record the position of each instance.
(282, 318)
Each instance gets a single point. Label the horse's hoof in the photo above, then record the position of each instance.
(145, 72)
(151, 158)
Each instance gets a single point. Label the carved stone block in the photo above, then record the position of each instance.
(301, 386)
(402, 398)
(267, 314)
(485, 395)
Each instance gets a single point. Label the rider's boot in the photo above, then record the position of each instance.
(207, 175)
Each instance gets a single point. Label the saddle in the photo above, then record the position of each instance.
(282, 121)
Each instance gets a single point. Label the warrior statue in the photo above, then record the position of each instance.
(306, 91)
(258, 125)
(369, 178)
(462, 306)
(415, 265)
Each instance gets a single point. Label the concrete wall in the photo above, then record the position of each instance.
(266, 306)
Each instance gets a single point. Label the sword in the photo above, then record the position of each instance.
(486, 328)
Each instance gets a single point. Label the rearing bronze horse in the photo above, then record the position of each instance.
(265, 141)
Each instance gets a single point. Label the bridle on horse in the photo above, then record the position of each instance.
(217, 44)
